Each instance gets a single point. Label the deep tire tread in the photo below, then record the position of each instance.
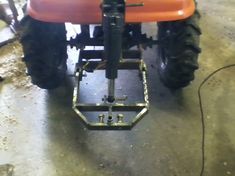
(181, 48)
(45, 52)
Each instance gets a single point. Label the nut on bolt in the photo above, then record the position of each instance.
(101, 118)
(120, 118)
(110, 120)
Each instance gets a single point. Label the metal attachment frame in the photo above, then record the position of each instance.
(141, 108)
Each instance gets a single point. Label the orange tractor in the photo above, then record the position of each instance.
(118, 30)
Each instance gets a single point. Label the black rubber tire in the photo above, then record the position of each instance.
(45, 52)
(178, 52)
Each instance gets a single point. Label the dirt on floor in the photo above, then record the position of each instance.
(6, 170)
(218, 18)
(218, 34)
(12, 69)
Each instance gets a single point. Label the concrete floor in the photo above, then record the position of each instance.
(40, 134)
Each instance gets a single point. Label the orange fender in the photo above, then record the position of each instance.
(89, 12)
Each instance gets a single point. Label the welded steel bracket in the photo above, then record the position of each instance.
(108, 122)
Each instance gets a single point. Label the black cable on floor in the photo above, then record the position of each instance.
(202, 112)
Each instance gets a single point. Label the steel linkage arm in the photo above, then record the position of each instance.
(113, 27)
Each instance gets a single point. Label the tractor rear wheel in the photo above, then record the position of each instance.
(178, 51)
(45, 52)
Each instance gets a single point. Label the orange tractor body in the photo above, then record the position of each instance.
(89, 12)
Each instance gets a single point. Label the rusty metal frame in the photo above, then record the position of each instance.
(103, 124)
